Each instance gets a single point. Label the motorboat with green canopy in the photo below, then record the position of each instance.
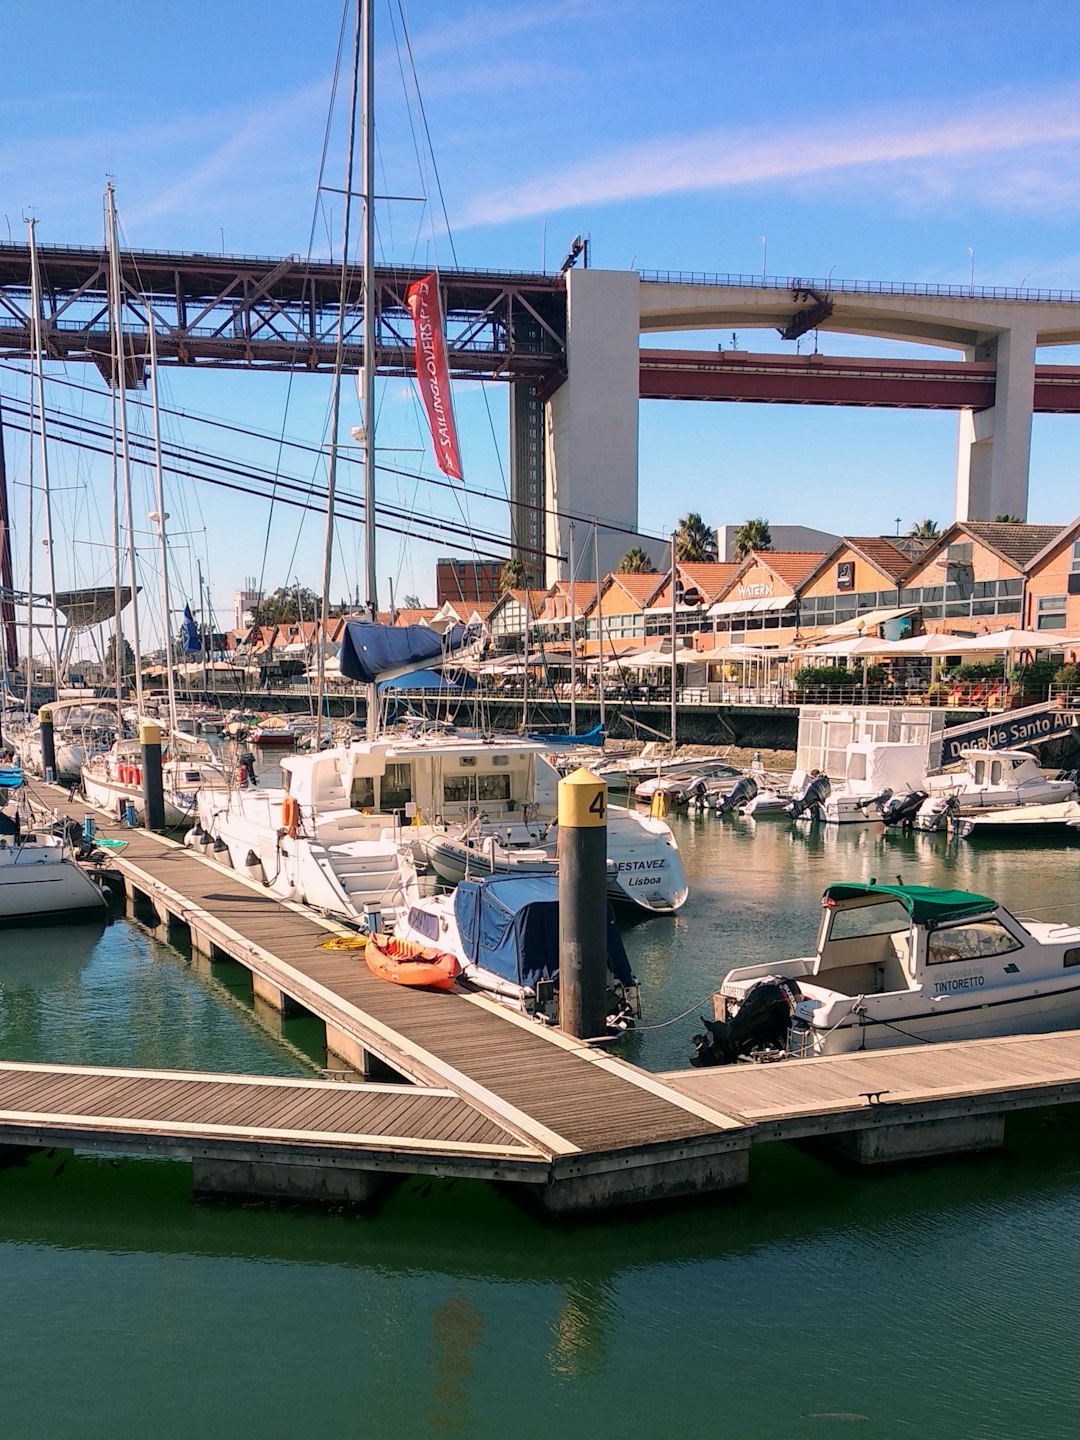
(900, 965)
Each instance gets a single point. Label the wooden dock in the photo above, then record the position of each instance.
(608, 1131)
(484, 1091)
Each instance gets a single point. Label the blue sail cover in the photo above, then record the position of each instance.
(509, 924)
(562, 738)
(433, 680)
(370, 651)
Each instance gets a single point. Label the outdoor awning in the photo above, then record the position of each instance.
(83, 608)
(751, 607)
(862, 623)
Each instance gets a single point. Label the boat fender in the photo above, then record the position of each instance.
(253, 867)
(220, 852)
(193, 838)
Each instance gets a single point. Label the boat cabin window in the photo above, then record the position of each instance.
(362, 792)
(425, 922)
(995, 773)
(885, 917)
(1072, 957)
(980, 772)
(396, 787)
(461, 789)
(974, 940)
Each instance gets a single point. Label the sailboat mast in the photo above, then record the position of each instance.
(339, 355)
(39, 382)
(118, 635)
(159, 493)
(117, 328)
(573, 639)
(599, 618)
(674, 672)
(367, 260)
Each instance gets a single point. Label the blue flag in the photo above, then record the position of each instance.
(189, 633)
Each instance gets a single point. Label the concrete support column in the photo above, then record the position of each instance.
(994, 447)
(591, 422)
(346, 1047)
(640, 1181)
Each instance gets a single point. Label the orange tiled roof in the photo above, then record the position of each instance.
(888, 557)
(791, 566)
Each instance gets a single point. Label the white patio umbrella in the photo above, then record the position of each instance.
(999, 642)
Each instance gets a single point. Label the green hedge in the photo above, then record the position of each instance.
(835, 677)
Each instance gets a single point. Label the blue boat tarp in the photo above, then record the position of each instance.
(11, 777)
(421, 680)
(562, 738)
(509, 924)
(369, 652)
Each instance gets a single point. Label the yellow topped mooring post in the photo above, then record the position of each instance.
(152, 787)
(48, 742)
(583, 904)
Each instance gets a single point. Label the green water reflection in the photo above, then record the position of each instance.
(935, 1301)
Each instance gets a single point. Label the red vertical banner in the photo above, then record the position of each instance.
(432, 373)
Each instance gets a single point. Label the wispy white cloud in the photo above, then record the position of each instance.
(1010, 146)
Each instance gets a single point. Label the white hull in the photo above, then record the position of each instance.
(43, 881)
(114, 796)
(1033, 1014)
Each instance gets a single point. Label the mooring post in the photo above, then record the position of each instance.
(48, 743)
(583, 904)
(152, 789)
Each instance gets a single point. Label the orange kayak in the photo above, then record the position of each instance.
(405, 962)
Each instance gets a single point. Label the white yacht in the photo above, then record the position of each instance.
(999, 789)
(898, 965)
(81, 728)
(332, 834)
(40, 878)
(875, 771)
(113, 779)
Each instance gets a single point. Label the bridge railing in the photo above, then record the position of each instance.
(832, 286)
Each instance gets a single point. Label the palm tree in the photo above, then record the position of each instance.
(753, 535)
(636, 562)
(924, 530)
(695, 542)
(1008, 520)
(513, 576)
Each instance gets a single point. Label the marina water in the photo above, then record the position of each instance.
(936, 1300)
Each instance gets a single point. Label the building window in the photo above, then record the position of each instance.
(1051, 613)
(1075, 566)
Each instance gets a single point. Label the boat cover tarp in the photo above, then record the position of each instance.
(510, 926)
(427, 680)
(562, 738)
(369, 651)
(926, 904)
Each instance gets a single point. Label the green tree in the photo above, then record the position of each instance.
(695, 542)
(1008, 520)
(925, 530)
(752, 535)
(286, 605)
(636, 562)
(513, 576)
(127, 660)
(411, 602)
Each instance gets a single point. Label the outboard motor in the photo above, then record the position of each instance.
(740, 794)
(880, 799)
(816, 793)
(761, 1021)
(935, 812)
(697, 795)
(245, 775)
(902, 809)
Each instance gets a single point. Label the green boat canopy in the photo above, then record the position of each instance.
(926, 904)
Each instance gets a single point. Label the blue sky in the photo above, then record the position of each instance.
(867, 141)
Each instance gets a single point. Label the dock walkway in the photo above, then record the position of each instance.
(603, 1125)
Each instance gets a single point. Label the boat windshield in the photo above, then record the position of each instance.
(883, 917)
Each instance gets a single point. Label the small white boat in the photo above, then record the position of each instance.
(874, 773)
(999, 789)
(40, 878)
(898, 965)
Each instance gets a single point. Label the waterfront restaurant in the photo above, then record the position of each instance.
(617, 615)
(853, 591)
(1053, 584)
(759, 604)
(696, 587)
(972, 578)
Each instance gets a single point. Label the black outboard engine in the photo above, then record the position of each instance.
(740, 794)
(816, 793)
(697, 795)
(761, 1022)
(902, 809)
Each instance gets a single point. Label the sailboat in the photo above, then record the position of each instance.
(112, 779)
(40, 878)
(336, 833)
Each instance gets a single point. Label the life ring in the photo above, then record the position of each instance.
(290, 815)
